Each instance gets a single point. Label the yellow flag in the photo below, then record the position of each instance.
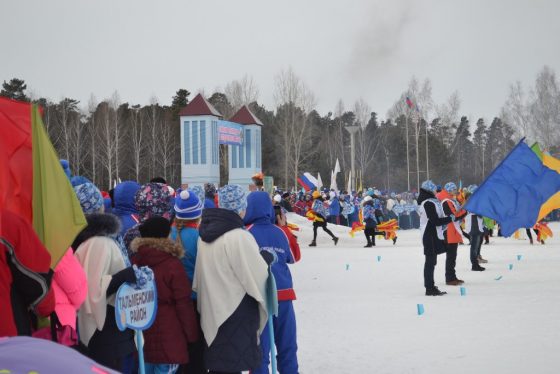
(57, 215)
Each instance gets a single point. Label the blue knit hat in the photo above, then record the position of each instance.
(188, 205)
(66, 167)
(232, 197)
(450, 187)
(90, 198)
(429, 186)
(76, 180)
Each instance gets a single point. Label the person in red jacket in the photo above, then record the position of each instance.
(25, 276)
(453, 233)
(175, 325)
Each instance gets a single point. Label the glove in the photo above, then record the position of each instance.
(453, 218)
(143, 275)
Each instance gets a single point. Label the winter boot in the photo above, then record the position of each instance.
(335, 240)
(531, 241)
(434, 292)
(368, 245)
(394, 240)
(313, 244)
(481, 260)
(477, 267)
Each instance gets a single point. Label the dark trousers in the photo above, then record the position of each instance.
(323, 225)
(429, 266)
(476, 243)
(371, 233)
(450, 262)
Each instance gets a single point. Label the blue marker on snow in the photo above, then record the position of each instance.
(378, 258)
(463, 291)
(519, 257)
(498, 278)
(347, 266)
(420, 308)
(510, 266)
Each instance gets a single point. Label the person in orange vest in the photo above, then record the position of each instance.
(452, 234)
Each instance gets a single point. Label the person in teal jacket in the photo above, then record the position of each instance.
(188, 209)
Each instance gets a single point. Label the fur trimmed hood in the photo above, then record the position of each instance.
(99, 224)
(165, 245)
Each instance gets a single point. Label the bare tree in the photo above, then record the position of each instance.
(515, 111)
(91, 108)
(295, 102)
(366, 144)
(242, 92)
(545, 108)
(137, 139)
(153, 121)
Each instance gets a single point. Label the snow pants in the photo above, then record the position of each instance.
(285, 339)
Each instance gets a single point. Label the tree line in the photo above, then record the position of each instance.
(112, 140)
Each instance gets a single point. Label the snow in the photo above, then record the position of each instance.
(364, 319)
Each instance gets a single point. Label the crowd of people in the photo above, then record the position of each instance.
(210, 251)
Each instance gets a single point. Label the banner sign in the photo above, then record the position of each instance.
(136, 308)
(230, 133)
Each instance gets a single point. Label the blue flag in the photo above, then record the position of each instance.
(514, 192)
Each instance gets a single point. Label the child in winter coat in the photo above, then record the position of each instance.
(259, 220)
(321, 212)
(124, 206)
(188, 209)
(175, 325)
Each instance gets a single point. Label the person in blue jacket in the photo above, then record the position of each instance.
(188, 210)
(334, 208)
(124, 205)
(209, 195)
(259, 219)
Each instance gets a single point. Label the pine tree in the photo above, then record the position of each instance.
(14, 89)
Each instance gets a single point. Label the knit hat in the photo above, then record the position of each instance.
(316, 194)
(332, 194)
(155, 227)
(198, 191)
(277, 198)
(90, 198)
(153, 199)
(66, 167)
(187, 205)
(209, 190)
(450, 187)
(429, 186)
(232, 197)
(368, 198)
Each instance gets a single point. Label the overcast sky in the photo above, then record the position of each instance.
(342, 49)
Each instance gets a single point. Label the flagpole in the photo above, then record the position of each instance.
(427, 154)
(407, 158)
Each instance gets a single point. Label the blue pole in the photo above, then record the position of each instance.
(140, 345)
(272, 346)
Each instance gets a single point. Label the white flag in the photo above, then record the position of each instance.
(319, 181)
(349, 188)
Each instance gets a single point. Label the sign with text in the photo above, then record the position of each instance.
(136, 308)
(230, 133)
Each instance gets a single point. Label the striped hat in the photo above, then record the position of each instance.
(188, 205)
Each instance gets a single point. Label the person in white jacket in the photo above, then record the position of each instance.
(230, 281)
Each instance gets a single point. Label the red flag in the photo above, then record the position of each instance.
(409, 103)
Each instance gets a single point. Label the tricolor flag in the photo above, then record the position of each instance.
(409, 103)
(32, 182)
(308, 182)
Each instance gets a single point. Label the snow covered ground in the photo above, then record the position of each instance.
(364, 319)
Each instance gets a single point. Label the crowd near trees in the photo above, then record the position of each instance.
(112, 139)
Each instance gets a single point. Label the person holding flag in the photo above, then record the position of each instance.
(452, 234)
(319, 213)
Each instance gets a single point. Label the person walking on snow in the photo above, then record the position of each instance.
(370, 222)
(432, 221)
(321, 212)
(260, 223)
(452, 233)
